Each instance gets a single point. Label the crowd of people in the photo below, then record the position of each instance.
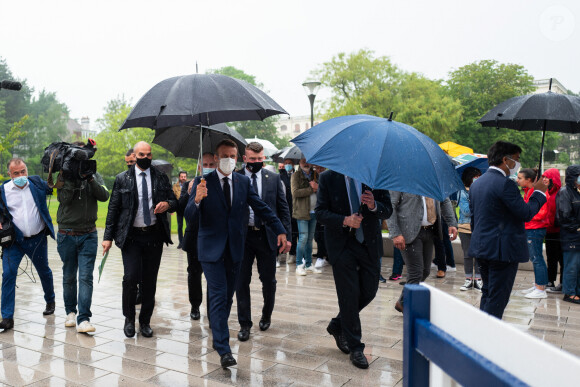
(235, 218)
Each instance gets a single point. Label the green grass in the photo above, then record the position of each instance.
(102, 214)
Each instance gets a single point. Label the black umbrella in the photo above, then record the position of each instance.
(543, 111)
(200, 99)
(290, 152)
(183, 141)
(162, 165)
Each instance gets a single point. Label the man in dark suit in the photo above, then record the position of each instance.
(351, 214)
(261, 241)
(221, 202)
(498, 238)
(136, 220)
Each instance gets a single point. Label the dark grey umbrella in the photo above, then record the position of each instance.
(543, 111)
(162, 165)
(290, 152)
(200, 99)
(183, 141)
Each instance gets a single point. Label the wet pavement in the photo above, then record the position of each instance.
(296, 350)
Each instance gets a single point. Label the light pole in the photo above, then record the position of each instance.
(311, 90)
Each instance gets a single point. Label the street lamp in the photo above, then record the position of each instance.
(311, 89)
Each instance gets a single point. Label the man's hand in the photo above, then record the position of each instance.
(368, 199)
(288, 246)
(200, 192)
(399, 242)
(314, 185)
(0, 226)
(282, 242)
(106, 246)
(161, 207)
(189, 187)
(452, 233)
(353, 221)
(540, 186)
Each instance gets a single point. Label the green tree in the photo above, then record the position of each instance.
(364, 84)
(10, 140)
(265, 129)
(479, 87)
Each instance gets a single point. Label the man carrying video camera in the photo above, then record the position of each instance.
(77, 239)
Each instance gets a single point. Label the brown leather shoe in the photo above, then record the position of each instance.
(440, 274)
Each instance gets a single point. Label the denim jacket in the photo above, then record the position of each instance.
(464, 211)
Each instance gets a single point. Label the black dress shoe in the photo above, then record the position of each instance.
(359, 360)
(49, 309)
(7, 323)
(264, 324)
(339, 339)
(129, 328)
(228, 360)
(382, 279)
(244, 334)
(194, 314)
(145, 330)
(399, 306)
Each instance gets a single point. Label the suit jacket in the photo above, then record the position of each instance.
(285, 176)
(333, 205)
(499, 213)
(39, 190)
(189, 243)
(220, 229)
(408, 214)
(273, 193)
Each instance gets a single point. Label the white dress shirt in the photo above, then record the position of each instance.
(259, 182)
(23, 209)
(139, 221)
(424, 221)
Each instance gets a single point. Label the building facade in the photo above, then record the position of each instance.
(292, 126)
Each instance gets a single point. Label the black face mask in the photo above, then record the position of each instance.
(144, 163)
(255, 167)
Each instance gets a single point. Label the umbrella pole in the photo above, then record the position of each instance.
(542, 150)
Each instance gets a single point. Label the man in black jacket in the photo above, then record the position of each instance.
(137, 222)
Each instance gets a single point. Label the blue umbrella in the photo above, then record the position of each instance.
(479, 163)
(381, 153)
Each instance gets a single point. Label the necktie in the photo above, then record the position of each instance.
(145, 198)
(431, 212)
(355, 204)
(227, 194)
(257, 221)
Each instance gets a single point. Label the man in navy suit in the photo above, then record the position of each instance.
(352, 214)
(498, 238)
(261, 241)
(221, 202)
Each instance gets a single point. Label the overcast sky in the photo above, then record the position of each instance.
(88, 52)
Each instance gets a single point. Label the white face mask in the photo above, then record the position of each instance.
(516, 168)
(227, 165)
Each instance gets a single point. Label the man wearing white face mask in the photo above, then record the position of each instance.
(220, 203)
(498, 239)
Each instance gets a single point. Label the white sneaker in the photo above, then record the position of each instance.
(312, 269)
(71, 320)
(277, 263)
(451, 269)
(537, 293)
(467, 285)
(478, 284)
(85, 327)
(300, 270)
(529, 290)
(320, 263)
(291, 258)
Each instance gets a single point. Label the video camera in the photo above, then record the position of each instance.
(73, 161)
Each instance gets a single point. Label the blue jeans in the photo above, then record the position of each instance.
(36, 249)
(78, 253)
(535, 244)
(397, 261)
(571, 285)
(305, 235)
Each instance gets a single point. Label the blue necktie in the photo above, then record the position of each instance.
(145, 198)
(257, 221)
(355, 204)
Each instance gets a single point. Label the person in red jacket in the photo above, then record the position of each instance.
(536, 232)
(553, 248)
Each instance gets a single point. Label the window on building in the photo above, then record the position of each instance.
(283, 128)
(297, 128)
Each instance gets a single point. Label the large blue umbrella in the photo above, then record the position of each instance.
(381, 153)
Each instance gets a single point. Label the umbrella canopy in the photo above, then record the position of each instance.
(544, 111)
(290, 152)
(479, 163)
(381, 153)
(269, 148)
(162, 165)
(200, 99)
(183, 141)
(453, 149)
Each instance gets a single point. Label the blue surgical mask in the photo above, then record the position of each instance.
(208, 170)
(289, 167)
(20, 181)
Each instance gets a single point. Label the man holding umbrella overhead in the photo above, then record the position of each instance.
(221, 203)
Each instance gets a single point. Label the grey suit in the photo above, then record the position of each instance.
(406, 221)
